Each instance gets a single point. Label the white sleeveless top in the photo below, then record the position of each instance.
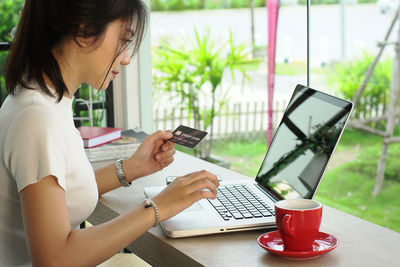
(37, 139)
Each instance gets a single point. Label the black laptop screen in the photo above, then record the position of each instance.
(303, 143)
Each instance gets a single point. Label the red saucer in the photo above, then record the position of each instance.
(272, 242)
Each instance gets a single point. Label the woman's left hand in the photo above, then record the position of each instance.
(153, 154)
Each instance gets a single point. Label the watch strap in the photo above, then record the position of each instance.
(121, 174)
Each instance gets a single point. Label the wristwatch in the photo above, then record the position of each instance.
(121, 174)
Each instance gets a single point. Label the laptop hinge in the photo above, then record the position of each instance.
(269, 194)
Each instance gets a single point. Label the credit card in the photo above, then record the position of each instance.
(187, 136)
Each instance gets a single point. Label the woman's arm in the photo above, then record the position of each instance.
(52, 242)
(154, 154)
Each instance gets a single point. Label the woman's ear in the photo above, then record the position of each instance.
(85, 42)
(82, 37)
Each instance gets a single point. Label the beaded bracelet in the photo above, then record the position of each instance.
(150, 203)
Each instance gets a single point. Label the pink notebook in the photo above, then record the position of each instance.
(96, 136)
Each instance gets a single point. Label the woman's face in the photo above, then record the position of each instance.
(97, 71)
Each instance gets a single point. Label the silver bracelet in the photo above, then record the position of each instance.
(150, 203)
(121, 174)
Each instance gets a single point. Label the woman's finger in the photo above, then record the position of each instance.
(168, 161)
(160, 135)
(202, 194)
(183, 177)
(184, 191)
(157, 145)
(203, 184)
(167, 145)
(204, 174)
(163, 156)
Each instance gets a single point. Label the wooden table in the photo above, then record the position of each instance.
(361, 243)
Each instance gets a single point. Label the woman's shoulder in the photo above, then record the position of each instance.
(30, 104)
(30, 112)
(36, 113)
(34, 118)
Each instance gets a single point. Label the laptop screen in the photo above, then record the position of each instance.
(303, 143)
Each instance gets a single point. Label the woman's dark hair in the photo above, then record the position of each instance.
(45, 24)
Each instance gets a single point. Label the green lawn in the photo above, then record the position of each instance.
(297, 68)
(349, 186)
(244, 156)
(350, 192)
(346, 187)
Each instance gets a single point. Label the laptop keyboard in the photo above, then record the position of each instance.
(239, 202)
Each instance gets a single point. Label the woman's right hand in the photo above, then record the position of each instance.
(184, 191)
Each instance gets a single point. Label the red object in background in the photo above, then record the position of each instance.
(96, 136)
(273, 10)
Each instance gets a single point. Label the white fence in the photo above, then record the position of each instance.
(238, 120)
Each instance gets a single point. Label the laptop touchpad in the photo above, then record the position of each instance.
(195, 207)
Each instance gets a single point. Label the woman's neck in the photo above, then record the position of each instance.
(69, 70)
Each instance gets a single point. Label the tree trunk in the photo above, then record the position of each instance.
(360, 90)
(380, 173)
(196, 115)
(203, 4)
(253, 42)
(391, 118)
(211, 124)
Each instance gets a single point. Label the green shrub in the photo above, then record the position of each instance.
(9, 17)
(331, 2)
(177, 5)
(97, 96)
(3, 91)
(192, 67)
(348, 77)
(366, 1)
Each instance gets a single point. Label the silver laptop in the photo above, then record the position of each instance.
(292, 168)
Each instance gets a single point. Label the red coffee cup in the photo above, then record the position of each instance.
(298, 222)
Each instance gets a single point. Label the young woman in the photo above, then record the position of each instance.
(47, 185)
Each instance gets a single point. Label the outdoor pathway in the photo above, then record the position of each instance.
(344, 156)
